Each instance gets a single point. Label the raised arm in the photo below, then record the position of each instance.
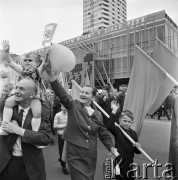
(13, 65)
(41, 68)
(110, 123)
(64, 97)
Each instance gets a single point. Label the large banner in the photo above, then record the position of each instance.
(147, 81)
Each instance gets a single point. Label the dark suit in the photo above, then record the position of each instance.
(48, 104)
(81, 135)
(32, 156)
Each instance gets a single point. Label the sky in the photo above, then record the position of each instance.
(22, 22)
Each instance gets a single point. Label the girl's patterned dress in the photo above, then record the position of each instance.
(33, 74)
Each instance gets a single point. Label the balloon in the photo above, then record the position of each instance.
(62, 58)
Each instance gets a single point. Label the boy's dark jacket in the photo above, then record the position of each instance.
(123, 145)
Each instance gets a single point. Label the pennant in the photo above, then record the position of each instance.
(49, 33)
(146, 81)
(76, 90)
(86, 80)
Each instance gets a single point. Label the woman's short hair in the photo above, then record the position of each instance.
(94, 90)
(127, 113)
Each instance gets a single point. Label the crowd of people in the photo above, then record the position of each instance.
(32, 114)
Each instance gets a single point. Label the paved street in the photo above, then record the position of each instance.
(154, 139)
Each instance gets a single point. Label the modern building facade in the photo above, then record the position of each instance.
(98, 14)
(109, 52)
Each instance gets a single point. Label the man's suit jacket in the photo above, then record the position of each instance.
(33, 156)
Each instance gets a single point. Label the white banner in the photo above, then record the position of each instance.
(49, 33)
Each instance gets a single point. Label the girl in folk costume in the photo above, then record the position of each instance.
(31, 69)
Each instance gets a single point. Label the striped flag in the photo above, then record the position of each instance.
(146, 82)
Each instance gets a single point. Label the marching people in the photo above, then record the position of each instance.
(48, 103)
(162, 109)
(31, 69)
(60, 123)
(124, 147)
(84, 126)
(105, 101)
(56, 105)
(20, 157)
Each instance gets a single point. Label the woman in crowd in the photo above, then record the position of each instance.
(84, 126)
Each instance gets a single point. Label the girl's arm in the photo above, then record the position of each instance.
(65, 99)
(16, 67)
(13, 65)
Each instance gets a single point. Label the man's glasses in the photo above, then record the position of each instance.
(28, 60)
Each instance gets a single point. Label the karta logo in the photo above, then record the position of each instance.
(113, 167)
(137, 171)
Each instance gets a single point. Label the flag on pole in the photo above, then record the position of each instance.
(146, 81)
(169, 62)
(49, 33)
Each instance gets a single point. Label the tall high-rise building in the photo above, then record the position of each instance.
(98, 14)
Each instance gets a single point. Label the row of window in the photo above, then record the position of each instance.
(104, 20)
(102, 14)
(89, 6)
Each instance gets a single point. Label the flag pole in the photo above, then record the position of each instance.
(129, 138)
(133, 142)
(162, 69)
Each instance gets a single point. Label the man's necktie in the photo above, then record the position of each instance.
(20, 117)
(19, 121)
